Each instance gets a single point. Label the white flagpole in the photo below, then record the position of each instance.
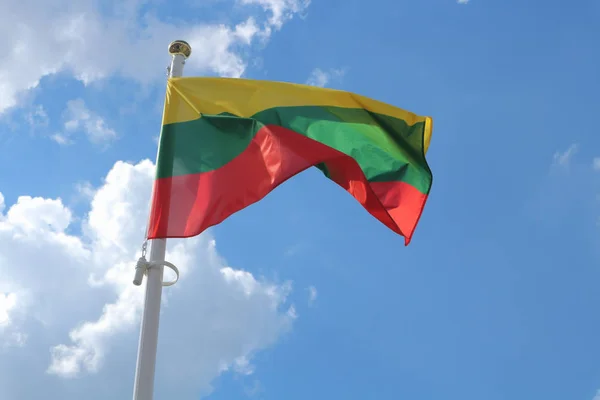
(146, 360)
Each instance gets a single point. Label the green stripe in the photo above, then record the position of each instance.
(386, 148)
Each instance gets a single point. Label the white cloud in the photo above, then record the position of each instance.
(596, 164)
(597, 396)
(321, 78)
(462, 1)
(214, 319)
(564, 159)
(281, 10)
(85, 190)
(254, 389)
(35, 216)
(7, 302)
(80, 118)
(38, 117)
(312, 295)
(92, 41)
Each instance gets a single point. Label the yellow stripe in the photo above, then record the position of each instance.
(189, 96)
(427, 134)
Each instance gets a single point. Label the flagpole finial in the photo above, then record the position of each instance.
(180, 47)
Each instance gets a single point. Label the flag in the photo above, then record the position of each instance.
(226, 143)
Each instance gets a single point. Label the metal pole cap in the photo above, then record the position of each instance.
(180, 47)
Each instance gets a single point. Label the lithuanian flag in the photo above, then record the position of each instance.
(226, 143)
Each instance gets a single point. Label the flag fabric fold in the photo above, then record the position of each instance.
(226, 143)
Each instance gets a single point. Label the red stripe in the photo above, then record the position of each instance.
(186, 205)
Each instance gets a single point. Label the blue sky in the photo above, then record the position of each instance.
(304, 294)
